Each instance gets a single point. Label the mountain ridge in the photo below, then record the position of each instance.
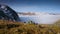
(34, 13)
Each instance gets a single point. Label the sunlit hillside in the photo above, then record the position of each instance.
(10, 27)
(58, 22)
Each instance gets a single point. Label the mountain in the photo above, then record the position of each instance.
(37, 13)
(6, 13)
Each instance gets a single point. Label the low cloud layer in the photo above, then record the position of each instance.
(41, 18)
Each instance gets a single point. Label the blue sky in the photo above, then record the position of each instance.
(51, 6)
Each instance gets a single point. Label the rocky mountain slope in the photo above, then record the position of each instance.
(6, 13)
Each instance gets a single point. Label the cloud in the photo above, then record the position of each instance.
(41, 18)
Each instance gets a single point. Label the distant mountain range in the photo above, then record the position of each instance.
(37, 13)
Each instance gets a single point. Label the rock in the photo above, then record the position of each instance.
(7, 13)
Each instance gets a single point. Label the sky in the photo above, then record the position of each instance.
(51, 6)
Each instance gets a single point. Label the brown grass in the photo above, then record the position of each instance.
(10, 27)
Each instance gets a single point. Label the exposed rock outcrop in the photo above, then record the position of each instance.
(7, 13)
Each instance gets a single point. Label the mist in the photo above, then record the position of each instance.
(40, 18)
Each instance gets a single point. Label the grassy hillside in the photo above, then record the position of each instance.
(10, 27)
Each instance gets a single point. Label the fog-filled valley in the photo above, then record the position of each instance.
(40, 18)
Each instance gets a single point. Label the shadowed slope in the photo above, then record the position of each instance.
(7, 13)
